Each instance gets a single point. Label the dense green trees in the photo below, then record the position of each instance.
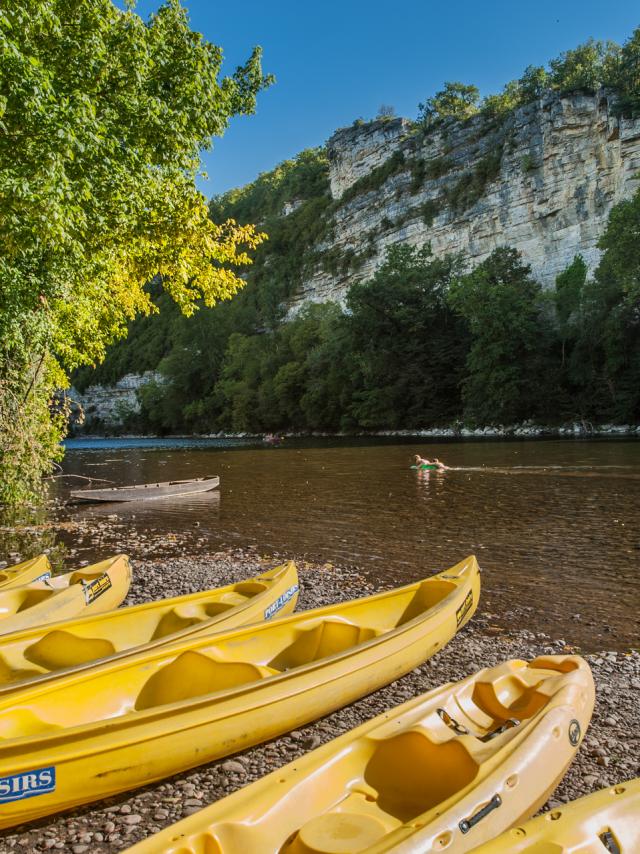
(102, 119)
(422, 343)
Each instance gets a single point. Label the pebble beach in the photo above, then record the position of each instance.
(610, 752)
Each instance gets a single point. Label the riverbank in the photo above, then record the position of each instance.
(527, 430)
(609, 753)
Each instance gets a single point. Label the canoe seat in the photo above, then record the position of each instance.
(59, 649)
(327, 637)
(10, 674)
(250, 588)
(28, 598)
(193, 674)
(18, 723)
(428, 595)
(413, 774)
(509, 697)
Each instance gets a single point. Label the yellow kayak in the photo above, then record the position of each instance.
(39, 652)
(606, 821)
(90, 590)
(444, 771)
(125, 723)
(36, 569)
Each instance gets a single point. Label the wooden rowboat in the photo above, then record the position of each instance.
(148, 491)
(445, 771)
(124, 723)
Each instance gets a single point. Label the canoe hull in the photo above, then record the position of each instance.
(36, 569)
(148, 491)
(578, 825)
(40, 653)
(404, 779)
(95, 761)
(91, 590)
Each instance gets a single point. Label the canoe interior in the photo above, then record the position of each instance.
(148, 491)
(17, 599)
(199, 667)
(76, 642)
(406, 770)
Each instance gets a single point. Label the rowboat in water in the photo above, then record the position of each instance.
(445, 771)
(90, 590)
(35, 569)
(608, 820)
(148, 491)
(40, 652)
(125, 723)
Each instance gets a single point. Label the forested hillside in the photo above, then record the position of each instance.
(426, 339)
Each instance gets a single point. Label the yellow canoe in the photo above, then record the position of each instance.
(40, 652)
(606, 821)
(36, 569)
(124, 723)
(444, 771)
(90, 590)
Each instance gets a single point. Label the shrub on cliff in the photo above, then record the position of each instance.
(456, 100)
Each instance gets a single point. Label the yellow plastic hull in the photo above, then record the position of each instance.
(608, 820)
(36, 569)
(442, 772)
(121, 724)
(41, 652)
(90, 590)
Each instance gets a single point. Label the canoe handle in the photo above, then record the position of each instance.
(610, 843)
(508, 724)
(452, 723)
(467, 823)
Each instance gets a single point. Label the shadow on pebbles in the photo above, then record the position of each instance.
(610, 752)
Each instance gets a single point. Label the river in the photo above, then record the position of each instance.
(554, 524)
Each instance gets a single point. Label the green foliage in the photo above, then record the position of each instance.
(430, 210)
(498, 106)
(103, 117)
(583, 69)
(376, 178)
(456, 100)
(470, 188)
(529, 163)
(623, 74)
(532, 84)
(501, 303)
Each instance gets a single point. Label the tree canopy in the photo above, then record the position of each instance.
(102, 119)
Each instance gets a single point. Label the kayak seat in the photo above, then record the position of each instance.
(413, 774)
(509, 697)
(327, 637)
(59, 649)
(23, 722)
(428, 595)
(193, 674)
(178, 618)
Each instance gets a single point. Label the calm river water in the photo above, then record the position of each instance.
(554, 524)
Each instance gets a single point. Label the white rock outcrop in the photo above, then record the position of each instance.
(564, 162)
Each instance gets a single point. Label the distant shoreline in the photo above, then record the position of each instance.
(522, 431)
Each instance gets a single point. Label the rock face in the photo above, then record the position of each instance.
(543, 181)
(109, 406)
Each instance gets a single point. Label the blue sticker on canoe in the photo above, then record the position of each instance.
(43, 577)
(280, 602)
(17, 787)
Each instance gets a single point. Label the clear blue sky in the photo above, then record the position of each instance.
(337, 60)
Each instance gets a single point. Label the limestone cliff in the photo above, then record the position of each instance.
(542, 180)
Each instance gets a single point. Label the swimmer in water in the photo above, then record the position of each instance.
(440, 466)
(419, 461)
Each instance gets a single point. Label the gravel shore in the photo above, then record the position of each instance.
(609, 754)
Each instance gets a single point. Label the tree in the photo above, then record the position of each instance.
(407, 346)
(532, 84)
(102, 119)
(456, 100)
(582, 69)
(501, 304)
(623, 74)
(567, 298)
